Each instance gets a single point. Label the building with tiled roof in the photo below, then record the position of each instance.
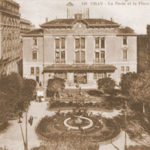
(80, 50)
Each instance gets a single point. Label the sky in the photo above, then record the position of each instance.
(132, 13)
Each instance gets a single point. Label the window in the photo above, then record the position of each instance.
(100, 57)
(102, 42)
(124, 54)
(80, 53)
(60, 56)
(97, 42)
(103, 56)
(62, 43)
(57, 41)
(124, 40)
(80, 43)
(60, 50)
(35, 41)
(127, 69)
(83, 43)
(80, 56)
(97, 57)
(32, 70)
(37, 70)
(99, 75)
(77, 42)
(122, 68)
(34, 55)
(57, 56)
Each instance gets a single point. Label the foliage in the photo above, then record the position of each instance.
(53, 128)
(108, 103)
(106, 84)
(126, 81)
(55, 86)
(95, 93)
(15, 94)
(68, 145)
(140, 88)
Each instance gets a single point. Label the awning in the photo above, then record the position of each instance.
(80, 68)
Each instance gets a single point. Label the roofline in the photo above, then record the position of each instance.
(88, 26)
(81, 20)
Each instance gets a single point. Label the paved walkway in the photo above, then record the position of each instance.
(13, 141)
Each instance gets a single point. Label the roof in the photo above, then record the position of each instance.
(22, 20)
(35, 32)
(70, 22)
(79, 67)
(69, 4)
(126, 30)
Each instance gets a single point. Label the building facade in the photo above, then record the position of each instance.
(143, 51)
(79, 50)
(10, 44)
(25, 26)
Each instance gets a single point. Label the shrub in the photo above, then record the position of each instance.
(95, 93)
(55, 86)
(106, 84)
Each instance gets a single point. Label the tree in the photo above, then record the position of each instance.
(140, 89)
(28, 89)
(55, 86)
(11, 87)
(15, 94)
(126, 81)
(106, 84)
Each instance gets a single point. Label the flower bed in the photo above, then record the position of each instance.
(53, 128)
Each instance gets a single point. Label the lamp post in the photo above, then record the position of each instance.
(25, 138)
(125, 122)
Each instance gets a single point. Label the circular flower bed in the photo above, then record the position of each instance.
(93, 127)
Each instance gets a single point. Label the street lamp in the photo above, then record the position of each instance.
(25, 138)
(125, 121)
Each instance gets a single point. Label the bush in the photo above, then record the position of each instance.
(106, 84)
(55, 86)
(95, 93)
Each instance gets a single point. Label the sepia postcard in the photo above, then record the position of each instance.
(74, 75)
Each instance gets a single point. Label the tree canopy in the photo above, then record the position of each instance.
(15, 94)
(126, 81)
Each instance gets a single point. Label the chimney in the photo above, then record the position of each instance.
(78, 16)
(46, 19)
(111, 19)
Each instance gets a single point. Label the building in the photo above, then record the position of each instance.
(10, 44)
(25, 26)
(143, 51)
(80, 50)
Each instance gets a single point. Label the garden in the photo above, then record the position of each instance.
(75, 121)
